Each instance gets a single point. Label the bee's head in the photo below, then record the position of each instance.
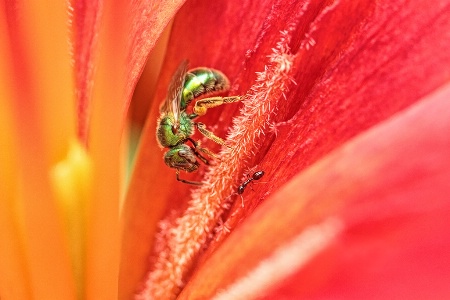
(181, 157)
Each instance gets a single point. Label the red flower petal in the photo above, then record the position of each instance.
(387, 193)
(354, 64)
(149, 18)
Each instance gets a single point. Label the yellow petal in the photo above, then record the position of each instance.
(72, 183)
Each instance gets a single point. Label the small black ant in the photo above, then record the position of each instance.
(256, 176)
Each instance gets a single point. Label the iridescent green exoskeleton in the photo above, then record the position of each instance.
(176, 125)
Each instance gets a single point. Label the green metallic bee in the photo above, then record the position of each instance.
(176, 125)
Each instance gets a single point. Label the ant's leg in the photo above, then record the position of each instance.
(202, 105)
(187, 181)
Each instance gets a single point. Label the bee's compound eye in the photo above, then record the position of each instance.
(186, 154)
(183, 153)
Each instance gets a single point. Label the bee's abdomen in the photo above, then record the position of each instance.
(203, 81)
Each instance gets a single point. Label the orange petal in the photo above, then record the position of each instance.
(14, 280)
(107, 124)
(41, 96)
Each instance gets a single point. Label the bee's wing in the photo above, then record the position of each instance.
(173, 100)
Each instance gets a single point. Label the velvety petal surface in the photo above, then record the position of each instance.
(367, 221)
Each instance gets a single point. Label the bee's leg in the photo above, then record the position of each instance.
(202, 128)
(196, 144)
(208, 152)
(197, 148)
(187, 181)
(201, 157)
(202, 105)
